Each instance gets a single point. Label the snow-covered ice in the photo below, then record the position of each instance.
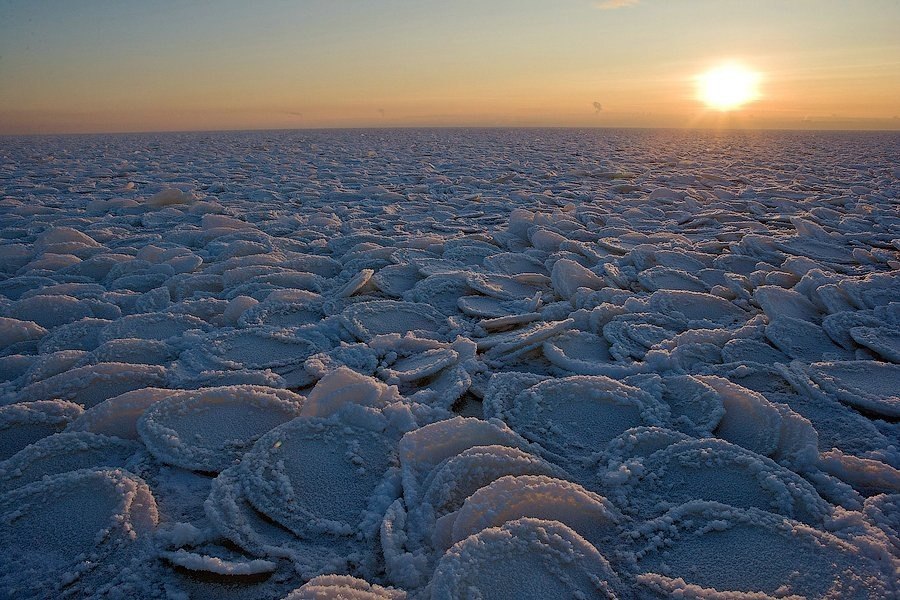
(421, 364)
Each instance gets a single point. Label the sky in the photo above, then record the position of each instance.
(79, 66)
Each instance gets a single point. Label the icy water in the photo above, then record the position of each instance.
(450, 363)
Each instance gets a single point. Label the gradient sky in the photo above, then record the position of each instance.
(149, 65)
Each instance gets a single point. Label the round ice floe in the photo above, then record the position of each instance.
(48, 365)
(640, 442)
(696, 406)
(50, 311)
(424, 448)
(744, 350)
(283, 314)
(80, 335)
(630, 339)
(873, 291)
(442, 291)
(152, 326)
(15, 287)
(118, 415)
(61, 453)
(494, 308)
(527, 558)
(716, 470)
(535, 496)
(584, 353)
(342, 387)
(133, 351)
(92, 384)
(470, 253)
(567, 276)
(695, 307)
(256, 348)
(779, 302)
(818, 250)
(210, 428)
(864, 384)
(25, 423)
(14, 366)
(732, 550)
(749, 419)
(513, 263)
(868, 475)
(665, 278)
(72, 532)
(503, 388)
(458, 477)
(804, 341)
(505, 287)
(420, 365)
(575, 417)
(343, 587)
(396, 280)
(838, 325)
(368, 319)
(359, 357)
(232, 516)
(13, 331)
(318, 477)
(881, 340)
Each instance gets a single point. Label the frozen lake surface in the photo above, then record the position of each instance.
(450, 364)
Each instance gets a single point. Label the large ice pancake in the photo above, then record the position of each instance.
(730, 550)
(882, 340)
(24, 423)
(866, 385)
(64, 452)
(92, 384)
(458, 477)
(118, 416)
(513, 497)
(573, 418)
(152, 326)
(423, 449)
(527, 558)
(256, 349)
(286, 314)
(585, 353)
(211, 428)
(708, 469)
(368, 319)
(315, 476)
(641, 442)
(74, 533)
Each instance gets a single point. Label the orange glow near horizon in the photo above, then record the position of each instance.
(84, 67)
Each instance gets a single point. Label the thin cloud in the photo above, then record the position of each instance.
(614, 4)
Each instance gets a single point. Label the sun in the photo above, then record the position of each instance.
(728, 87)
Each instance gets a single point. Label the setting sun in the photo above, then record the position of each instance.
(728, 87)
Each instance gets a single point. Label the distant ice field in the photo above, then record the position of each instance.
(450, 363)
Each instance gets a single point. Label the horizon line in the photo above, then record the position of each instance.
(451, 127)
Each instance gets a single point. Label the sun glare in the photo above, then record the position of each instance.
(728, 87)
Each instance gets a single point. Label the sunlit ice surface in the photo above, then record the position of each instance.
(728, 87)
